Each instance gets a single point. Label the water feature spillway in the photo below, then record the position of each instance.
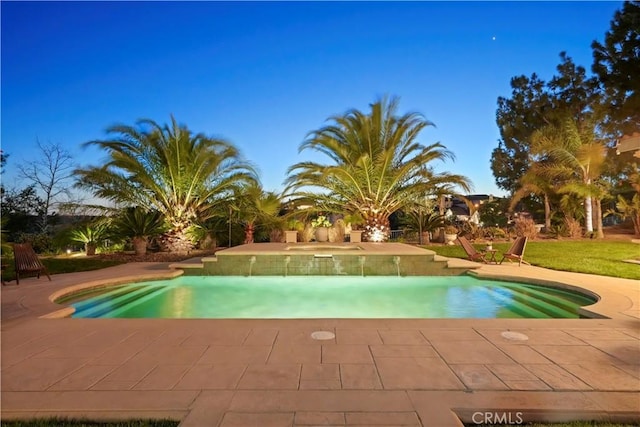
(315, 259)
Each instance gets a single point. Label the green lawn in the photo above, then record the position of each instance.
(583, 256)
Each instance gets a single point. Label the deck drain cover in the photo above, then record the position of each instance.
(323, 335)
(514, 336)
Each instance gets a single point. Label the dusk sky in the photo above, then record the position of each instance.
(264, 74)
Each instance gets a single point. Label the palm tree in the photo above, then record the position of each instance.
(169, 169)
(375, 165)
(535, 182)
(576, 157)
(258, 207)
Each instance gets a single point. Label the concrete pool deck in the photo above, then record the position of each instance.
(394, 372)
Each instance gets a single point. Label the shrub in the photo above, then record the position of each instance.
(572, 227)
(41, 242)
(525, 227)
(494, 233)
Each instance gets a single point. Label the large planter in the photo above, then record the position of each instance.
(140, 245)
(90, 248)
(450, 238)
(322, 234)
(290, 236)
(355, 236)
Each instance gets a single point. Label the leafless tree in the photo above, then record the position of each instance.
(51, 173)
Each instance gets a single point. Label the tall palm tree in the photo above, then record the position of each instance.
(576, 156)
(375, 165)
(167, 168)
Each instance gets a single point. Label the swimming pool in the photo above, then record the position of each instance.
(327, 297)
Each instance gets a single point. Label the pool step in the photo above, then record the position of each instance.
(556, 298)
(515, 306)
(549, 305)
(107, 303)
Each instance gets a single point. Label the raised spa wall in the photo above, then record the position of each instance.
(322, 265)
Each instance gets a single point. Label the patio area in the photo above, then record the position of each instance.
(400, 372)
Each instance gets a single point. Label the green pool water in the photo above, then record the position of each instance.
(329, 297)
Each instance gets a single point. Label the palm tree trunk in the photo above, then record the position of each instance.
(377, 227)
(547, 213)
(598, 215)
(588, 214)
(248, 233)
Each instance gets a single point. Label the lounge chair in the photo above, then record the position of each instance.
(516, 251)
(472, 253)
(26, 261)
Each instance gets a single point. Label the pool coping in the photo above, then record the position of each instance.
(43, 376)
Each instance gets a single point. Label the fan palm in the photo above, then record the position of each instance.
(167, 168)
(375, 165)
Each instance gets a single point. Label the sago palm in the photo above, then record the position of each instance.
(138, 224)
(167, 168)
(376, 165)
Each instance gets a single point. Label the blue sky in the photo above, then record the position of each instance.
(264, 74)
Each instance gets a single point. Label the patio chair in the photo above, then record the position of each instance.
(472, 253)
(26, 261)
(516, 251)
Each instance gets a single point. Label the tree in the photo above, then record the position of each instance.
(3, 161)
(257, 207)
(575, 156)
(517, 118)
(375, 166)
(536, 182)
(19, 208)
(167, 168)
(51, 173)
(617, 65)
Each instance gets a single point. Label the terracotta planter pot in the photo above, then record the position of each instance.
(90, 248)
(450, 238)
(355, 236)
(322, 234)
(290, 236)
(140, 245)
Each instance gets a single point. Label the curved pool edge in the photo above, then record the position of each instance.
(583, 311)
(591, 311)
(68, 311)
(617, 298)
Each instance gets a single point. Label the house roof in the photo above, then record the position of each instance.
(629, 143)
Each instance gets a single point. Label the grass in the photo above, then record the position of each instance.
(60, 265)
(71, 422)
(604, 258)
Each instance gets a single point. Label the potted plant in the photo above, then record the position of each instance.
(291, 235)
(354, 221)
(321, 226)
(91, 235)
(138, 225)
(450, 234)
